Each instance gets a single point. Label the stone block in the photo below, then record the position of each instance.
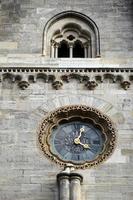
(31, 187)
(8, 45)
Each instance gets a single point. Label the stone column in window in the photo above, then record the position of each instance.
(89, 51)
(86, 50)
(56, 50)
(52, 49)
(71, 50)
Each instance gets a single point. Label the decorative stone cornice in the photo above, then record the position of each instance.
(34, 68)
(90, 77)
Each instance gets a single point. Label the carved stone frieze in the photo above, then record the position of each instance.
(91, 78)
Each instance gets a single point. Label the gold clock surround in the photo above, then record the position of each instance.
(82, 112)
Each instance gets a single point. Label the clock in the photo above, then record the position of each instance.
(76, 141)
(79, 135)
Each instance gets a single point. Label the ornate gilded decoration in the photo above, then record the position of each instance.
(84, 113)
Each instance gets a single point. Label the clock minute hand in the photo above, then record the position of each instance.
(81, 131)
(77, 139)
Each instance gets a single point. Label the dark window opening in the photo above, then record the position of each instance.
(63, 50)
(78, 50)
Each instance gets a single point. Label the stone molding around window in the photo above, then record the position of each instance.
(73, 32)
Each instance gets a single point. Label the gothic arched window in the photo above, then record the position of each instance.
(78, 50)
(71, 34)
(63, 50)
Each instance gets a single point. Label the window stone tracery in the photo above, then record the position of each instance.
(71, 35)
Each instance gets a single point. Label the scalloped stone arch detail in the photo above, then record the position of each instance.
(65, 99)
(59, 28)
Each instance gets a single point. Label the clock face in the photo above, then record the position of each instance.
(76, 141)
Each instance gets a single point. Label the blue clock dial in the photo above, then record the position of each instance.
(76, 141)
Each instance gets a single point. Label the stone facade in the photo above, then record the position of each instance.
(32, 85)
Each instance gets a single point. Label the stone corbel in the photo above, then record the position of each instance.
(125, 85)
(24, 82)
(57, 84)
(91, 85)
(125, 82)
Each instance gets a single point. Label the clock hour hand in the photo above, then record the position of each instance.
(86, 146)
(77, 141)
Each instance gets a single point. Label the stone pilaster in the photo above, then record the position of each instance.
(63, 186)
(75, 186)
(69, 185)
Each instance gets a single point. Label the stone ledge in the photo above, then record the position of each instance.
(20, 60)
(8, 45)
(89, 77)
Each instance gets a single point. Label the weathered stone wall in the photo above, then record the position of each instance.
(22, 24)
(25, 173)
